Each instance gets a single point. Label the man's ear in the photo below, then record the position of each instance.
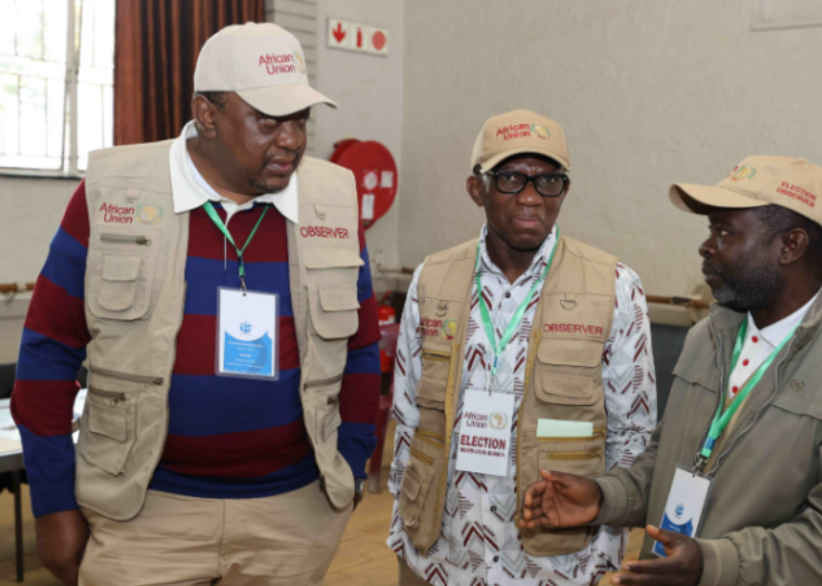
(794, 246)
(474, 187)
(205, 117)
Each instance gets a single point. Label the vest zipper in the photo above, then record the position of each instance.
(422, 456)
(574, 455)
(136, 378)
(108, 394)
(597, 433)
(323, 382)
(125, 239)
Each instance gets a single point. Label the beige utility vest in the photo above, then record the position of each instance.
(135, 293)
(563, 380)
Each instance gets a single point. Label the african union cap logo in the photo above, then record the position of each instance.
(449, 328)
(148, 213)
(298, 59)
(498, 420)
(743, 172)
(245, 327)
(540, 131)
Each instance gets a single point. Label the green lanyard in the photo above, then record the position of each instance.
(499, 347)
(721, 420)
(218, 221)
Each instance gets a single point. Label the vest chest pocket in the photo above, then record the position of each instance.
(120, 274)
(107, 429)
(568, 372)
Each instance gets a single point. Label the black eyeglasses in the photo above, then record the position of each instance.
(546, 184)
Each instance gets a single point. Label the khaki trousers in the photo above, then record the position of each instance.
(288, 539)
(408, 577)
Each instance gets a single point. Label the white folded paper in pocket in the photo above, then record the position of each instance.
(561, 428)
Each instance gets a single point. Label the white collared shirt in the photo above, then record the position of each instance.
(759, 344)
(191, 190)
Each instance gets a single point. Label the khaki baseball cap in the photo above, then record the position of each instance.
(758, 181)
(520, 131)
(263, 63)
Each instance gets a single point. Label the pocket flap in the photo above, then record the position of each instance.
(430, 394)
(411, 485)
(121, 268)
(339, 298)
(107, 421)
(570, 352)
(326, 258)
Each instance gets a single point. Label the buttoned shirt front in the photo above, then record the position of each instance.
(480, 543)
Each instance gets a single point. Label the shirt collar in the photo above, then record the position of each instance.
(776, 332)
(540, 258)
(190, 190)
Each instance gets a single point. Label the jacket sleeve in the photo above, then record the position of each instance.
(52, 350)
(783, 556)
(360, 391)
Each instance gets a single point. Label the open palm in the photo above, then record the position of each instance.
(560, 500)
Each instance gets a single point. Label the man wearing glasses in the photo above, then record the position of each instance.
(521, 350)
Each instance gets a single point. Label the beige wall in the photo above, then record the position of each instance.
(369, 91)
(649, 92)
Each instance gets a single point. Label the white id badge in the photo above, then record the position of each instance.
(247, 334)
(685, 506)
(485, 433)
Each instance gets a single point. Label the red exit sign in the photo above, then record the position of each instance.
(357, 37)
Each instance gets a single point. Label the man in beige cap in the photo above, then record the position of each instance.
(516, 349)
(732, 474)
(218, 288)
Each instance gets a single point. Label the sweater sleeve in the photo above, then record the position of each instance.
(360, 392)
(52, 350)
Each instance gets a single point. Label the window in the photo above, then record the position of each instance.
(56, 83)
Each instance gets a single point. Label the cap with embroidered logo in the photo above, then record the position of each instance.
(263, 63)
(757, 181)
(519, 132)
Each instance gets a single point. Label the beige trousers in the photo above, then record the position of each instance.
(288, 539)
(408, 577)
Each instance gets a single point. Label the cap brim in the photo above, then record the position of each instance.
(283, 100)
(497, 159)
(700, 199)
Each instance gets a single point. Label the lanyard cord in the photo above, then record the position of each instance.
(499, 347)
(218, 221)
(721, 420)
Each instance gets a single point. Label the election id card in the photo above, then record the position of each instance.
(485, 433)
(685, 506)
(247, 334)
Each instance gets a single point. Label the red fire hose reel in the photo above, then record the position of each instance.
(375, 172)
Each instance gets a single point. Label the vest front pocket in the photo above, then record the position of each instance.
(425, 466)
(334, 310)
(107, 429)
(584, 456)
(120, 273)
(568, 372)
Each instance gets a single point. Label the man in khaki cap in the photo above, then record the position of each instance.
(520, 347)
(218, 288)
(733, 470)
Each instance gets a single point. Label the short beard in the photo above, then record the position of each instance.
(749, 289)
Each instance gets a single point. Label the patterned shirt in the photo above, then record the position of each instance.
(479, 544)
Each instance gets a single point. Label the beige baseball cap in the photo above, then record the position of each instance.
(520, 131)
(263, 63)
(758, 181)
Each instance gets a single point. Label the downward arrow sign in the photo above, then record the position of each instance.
(338, 32)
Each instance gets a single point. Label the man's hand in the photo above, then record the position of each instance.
(682, 567)
(61, 542)
(560, 500)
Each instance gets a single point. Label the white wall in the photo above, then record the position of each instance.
(369, 91)
(648, 91)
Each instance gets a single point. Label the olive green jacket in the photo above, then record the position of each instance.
(763, 520)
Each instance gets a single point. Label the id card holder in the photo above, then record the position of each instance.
(685, 507)
(247, 334)
(485, 433)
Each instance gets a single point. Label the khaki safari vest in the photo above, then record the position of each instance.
(563, 380)
(135, 293)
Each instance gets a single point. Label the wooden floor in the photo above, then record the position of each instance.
(363, 558)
